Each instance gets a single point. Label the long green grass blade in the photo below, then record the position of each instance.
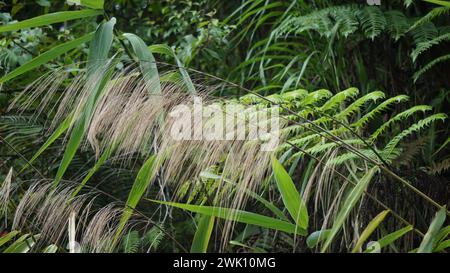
(291, 197)
(348, 205)
(93, 4)
(369, 229)
(6, 238)
(50, 18)
(142, 181)
(147, 63)
(239, 216)
(46, 57)
(168, 51)
(203, 234)
(97, 59)
(427, 244)
(391, 237)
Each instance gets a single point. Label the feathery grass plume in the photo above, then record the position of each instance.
(5, 192)
(98, 235)
(46, 210)
(129, 118)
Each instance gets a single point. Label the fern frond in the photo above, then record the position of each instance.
(415, 128)
(399, 117)
(397, 23)
(373, 22)
(424, 33)
(439, 168)
(379, 109)
(434, 13)
(424, 46)
(356, 105)
(429, 65)
(339, 98)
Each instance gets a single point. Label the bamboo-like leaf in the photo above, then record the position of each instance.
(290, 195)
(427, 244)
(203, 234)
(143, 179)
(55, 135)
(93, 4)
(97, 58)
(166, 50)
(6, 238)
(391, 237)
(239, 216)
(22, 245)
(50, 249)
(442, 246)
(348, 205)
(50, 18)
(369, 229)
(147, 63)
(46, 57)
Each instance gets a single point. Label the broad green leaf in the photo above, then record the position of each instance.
(348, 205)
(316, 237)
(392, 237)
(166, 50)
(147, 63)
(267, 204)
(369, 229)
(442, 246)
(50, 18)
(97, 59)
(55, 135)
(46, 57)
(426, 246)
(6, 238)
(203, 234)
(290, 195)
(239, 216)
(93, 4)
(142, 181)
(92, 171)
(50, 249)
(22, 245)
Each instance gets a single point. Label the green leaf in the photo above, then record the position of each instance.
(50, 249)
(203, 234)
(239, 216)
(442, 246)
(267, 204)
(46, 57)
(143, 179)
(166, 50)
(50, 18)
(93, 4)
(92, 171)
(290, 195)
(317, 237)
(369, 229)
(392, 237)
(348, 205)
(22, 245)
(97, 59)
(147, 63)
(55, 135)
(426, 246)
(6, 238)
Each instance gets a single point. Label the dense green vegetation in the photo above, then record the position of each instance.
(363, 92)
